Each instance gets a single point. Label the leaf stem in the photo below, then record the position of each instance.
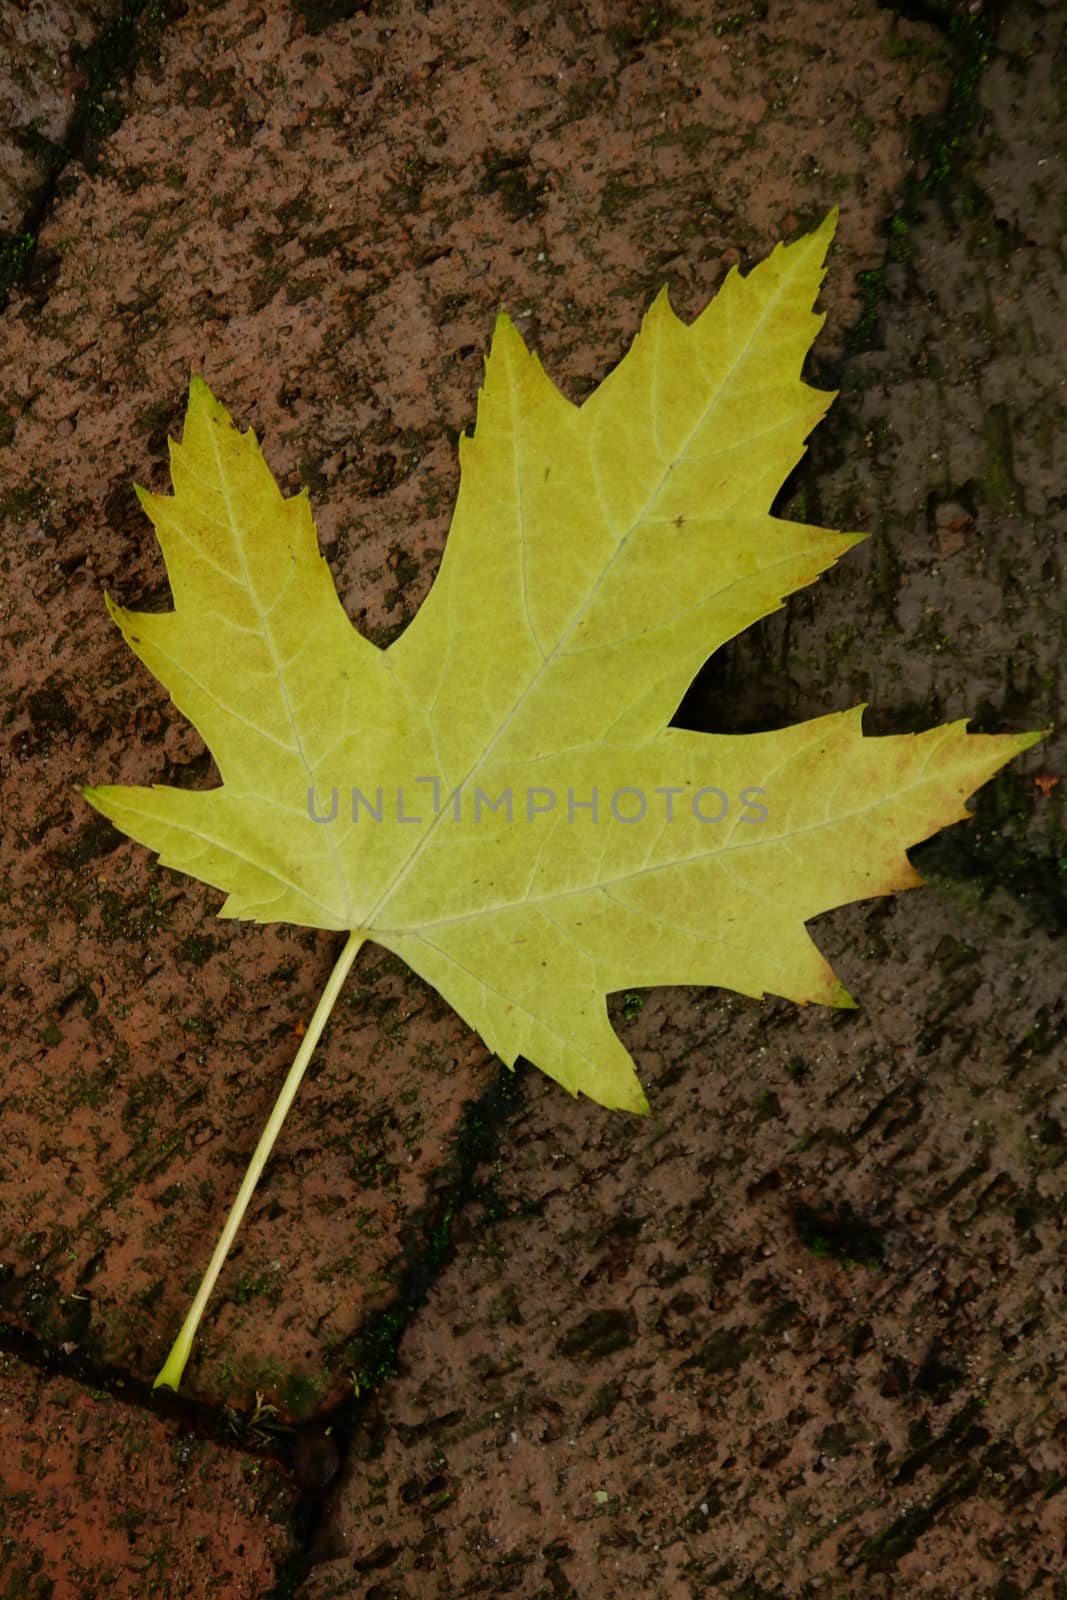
(170, 1374)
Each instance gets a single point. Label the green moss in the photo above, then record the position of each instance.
(1042, 1036)
(660, 17)
(863, 336)
(201, 1027)
(105, 64)
(16, 258)
(939, 144)
(899, 239)
(737, 21)
(863, 129)
(970, 38)
(370, 1357)
(632, 1005)
(251, 1287)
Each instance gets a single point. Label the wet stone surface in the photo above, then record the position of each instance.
(798, 1332)
(101, 1497)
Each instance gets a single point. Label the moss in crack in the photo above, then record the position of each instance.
(16, 257)
(370, 1356)
(970, 36)
(105, 66)
(899, 238)
(938, 146)
(864, 335)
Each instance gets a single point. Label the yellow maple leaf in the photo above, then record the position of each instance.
(498, 797)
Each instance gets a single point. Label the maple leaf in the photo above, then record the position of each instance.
(498, 797)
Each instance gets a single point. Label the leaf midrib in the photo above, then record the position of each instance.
(722, 850)
(369, 921)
